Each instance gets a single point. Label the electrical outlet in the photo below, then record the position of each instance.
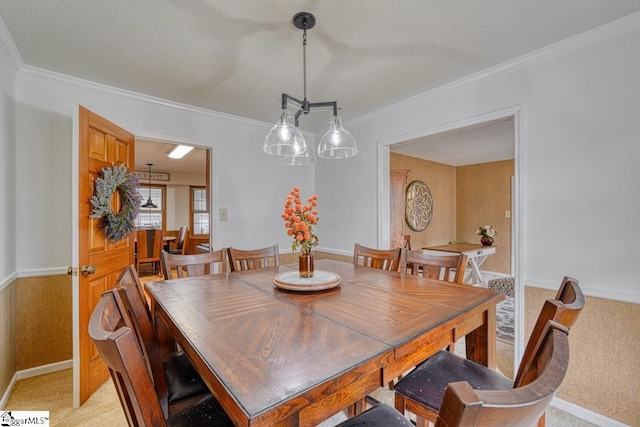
(507, 214)
(223, 215)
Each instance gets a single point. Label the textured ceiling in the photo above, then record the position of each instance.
(482, 143)
(239, 56)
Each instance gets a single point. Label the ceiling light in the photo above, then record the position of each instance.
(180, 151)
(150, 204)
(286, 140)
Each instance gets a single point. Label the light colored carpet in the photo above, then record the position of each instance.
(53, 392)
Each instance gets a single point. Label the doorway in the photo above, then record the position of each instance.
(179, 187)
(445, 148)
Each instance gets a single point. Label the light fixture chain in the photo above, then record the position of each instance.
(304, 62)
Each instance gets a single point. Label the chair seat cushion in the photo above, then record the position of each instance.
(207, 412)
(381, 415)
(427, 382)
(183, 382)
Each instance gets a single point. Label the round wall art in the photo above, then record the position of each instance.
(418, 206)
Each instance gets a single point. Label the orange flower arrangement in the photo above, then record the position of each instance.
(299, 220)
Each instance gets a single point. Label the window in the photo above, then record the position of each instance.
(152, 217)
(199, 220)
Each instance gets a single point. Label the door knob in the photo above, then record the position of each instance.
(88, 269)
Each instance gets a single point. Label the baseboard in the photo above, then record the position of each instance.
(44, 369)
(585, 414)
(7, 392)
(33, 372)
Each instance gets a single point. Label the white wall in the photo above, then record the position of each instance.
(7, 170)
(249, 183)
(581, 173)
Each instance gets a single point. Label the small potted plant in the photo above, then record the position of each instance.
(488, 233)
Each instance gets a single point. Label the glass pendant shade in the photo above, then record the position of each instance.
(284, 138)
(302, 154)
(337, 143)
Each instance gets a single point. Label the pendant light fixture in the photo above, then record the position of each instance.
(286, 140)
(149, 204)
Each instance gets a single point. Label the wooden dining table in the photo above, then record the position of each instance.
(287, 358)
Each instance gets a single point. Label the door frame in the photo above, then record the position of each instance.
(384, 198)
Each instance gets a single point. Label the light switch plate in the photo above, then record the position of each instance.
(223, 215)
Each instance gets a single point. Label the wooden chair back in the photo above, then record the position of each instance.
(377, 258)
(522, 406)
(129, 297)
(564, 309)
(450, 268)
(149, 244)
(119, 349)
(181, 240)
(194, 265)
(240, 259)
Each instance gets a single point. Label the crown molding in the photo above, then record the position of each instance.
(35, 73)
(612, 29)
(9, 48)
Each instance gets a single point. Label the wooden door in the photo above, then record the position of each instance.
(101, 144)
(398, 184)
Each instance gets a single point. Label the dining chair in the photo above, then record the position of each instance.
(194, 265)
(565, 309)
(422, 390)
(383, 259)
(181, 241)
(449, 268)
(379, 415)
(241, 259)
(175, 380)
(149, 243)
(464, 404)
(120, 351)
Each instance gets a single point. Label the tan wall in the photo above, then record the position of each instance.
(8, 363)
(464, 198)
(604, 372)
(483, 197)
(44, 325)
(441, 180)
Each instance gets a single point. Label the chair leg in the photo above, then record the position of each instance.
(399, 403)
(357, 408)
